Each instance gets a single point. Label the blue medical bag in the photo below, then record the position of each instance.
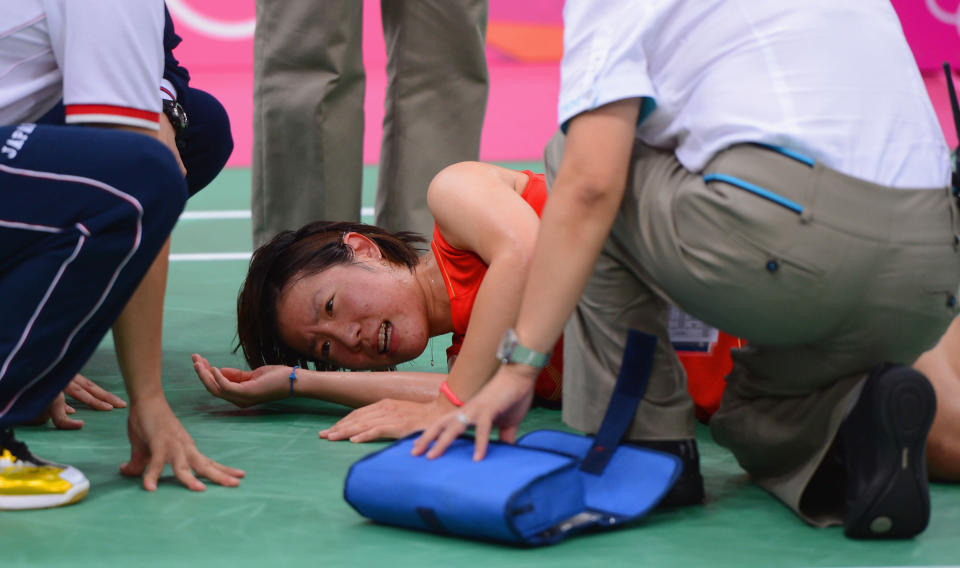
(547, 486)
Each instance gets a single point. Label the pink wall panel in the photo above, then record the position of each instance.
(932, 28)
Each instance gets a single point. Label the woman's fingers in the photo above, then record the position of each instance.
(206, 377)
(236, 375)
(351, 424)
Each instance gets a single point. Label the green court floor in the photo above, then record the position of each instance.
(290, 510)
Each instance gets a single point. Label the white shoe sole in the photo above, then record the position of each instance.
(80, 486)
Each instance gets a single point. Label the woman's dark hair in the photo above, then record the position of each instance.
(292, 255)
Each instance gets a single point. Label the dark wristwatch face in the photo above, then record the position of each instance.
(176, 115)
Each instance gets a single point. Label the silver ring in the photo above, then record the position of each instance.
(462, 418)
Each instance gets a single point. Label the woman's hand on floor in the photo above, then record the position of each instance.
(387, 418)
(244, 388)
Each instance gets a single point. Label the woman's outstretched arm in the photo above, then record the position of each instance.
(349, 388)
(493, 221)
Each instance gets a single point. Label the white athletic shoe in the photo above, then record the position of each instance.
(27, 482)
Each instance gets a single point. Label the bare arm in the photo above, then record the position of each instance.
(156, 435)
(356, 389)
(353, 389)
(137, 332)
(576, 221)
(478, 208)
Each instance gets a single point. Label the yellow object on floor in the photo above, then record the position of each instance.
(29, 483)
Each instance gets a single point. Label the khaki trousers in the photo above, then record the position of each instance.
(308, 122)
(824, 275)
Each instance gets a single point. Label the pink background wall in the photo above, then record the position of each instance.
(523, 49)
(933, 29)
(524, 43)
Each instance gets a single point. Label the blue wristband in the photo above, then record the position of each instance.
(293, 377)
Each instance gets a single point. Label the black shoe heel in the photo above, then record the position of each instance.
(688, 490)
(884, 444)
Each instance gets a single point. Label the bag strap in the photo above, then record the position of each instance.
(631, 384)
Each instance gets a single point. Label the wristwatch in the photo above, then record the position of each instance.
(177, 117)
(510, 351)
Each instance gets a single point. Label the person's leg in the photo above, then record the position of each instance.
(617, 299)
(207, 142)
(308, 114)
(818, 275)
(781, 428)
(435, 103)
(942, 366)
(84, 213)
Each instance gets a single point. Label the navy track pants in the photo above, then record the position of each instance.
(83, 214)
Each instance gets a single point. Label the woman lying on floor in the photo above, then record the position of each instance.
(353, 296)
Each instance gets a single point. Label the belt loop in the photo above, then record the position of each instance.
(813, 188)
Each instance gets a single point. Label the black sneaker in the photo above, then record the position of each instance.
(688, 490)
(27, 482)
(883, 448)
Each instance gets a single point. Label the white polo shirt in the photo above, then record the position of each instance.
(831, 79)
(103, 57)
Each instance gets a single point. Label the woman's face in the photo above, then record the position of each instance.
(365, 315)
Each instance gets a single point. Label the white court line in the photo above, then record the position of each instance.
(239, 214)
(203, 215)
(224, 214)
(195, 256)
